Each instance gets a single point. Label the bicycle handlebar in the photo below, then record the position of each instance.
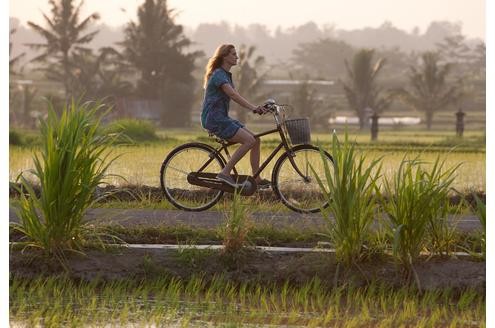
(270, 106)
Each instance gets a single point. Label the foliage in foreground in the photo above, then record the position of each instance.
(72, 161)
(415, 200)
(217, 302)
(416, 209)
(236, 227)
(480, 211)
(349, 187)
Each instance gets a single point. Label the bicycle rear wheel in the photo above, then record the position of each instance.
(301, 193)
(177, 165)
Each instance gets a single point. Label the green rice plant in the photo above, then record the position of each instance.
(133, 130)
(415, 199)
(72, 162)
(443, 237)
(349, 187)
(480, 212)
(236, 227)
(441, 232)
(147, 302)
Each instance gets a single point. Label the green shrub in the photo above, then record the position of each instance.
(73, 160)
(19, 137)
(15, 138)
(349, 187)
(132, 130)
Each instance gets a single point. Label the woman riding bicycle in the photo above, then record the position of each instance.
(219, 89)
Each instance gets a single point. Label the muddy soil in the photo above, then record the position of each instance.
(249, 266)
(132, 193)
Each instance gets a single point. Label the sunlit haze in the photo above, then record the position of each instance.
(349, 14)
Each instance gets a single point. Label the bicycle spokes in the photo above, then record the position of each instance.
(174, 177)
(295, 182)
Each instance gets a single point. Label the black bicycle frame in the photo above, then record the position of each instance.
(283, 143)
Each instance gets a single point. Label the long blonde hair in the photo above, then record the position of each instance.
(216, 61)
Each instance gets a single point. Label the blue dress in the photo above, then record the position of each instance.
(214, 114)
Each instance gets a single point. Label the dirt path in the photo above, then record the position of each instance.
(211, 219)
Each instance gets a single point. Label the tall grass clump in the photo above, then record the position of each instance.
(72, 161)
(480, 212)
(415, 204)
(441, 229)
(133, 130)
(349, 187)
(236, 228)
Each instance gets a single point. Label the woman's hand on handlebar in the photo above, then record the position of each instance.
(267, 107)
(260, 110)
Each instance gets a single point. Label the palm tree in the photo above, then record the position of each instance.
(13, 72)
(20, 96)
(362, 91)
(13, 61)
(155, 46)
(248, 79)
(63, 36)
(304, 98)
(111, 73)
(100, 76)
(430, 91)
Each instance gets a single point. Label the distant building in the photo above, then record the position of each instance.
(382, 120)
(282, 90)
(298, 82)
(142, 109)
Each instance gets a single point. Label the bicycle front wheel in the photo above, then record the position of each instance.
(174, 171)
(300, 191)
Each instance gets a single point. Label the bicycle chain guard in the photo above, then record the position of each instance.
(210, 180)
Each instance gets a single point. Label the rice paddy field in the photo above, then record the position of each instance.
(215, 302)
(140, 164)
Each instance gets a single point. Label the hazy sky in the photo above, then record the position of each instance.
(344, 14)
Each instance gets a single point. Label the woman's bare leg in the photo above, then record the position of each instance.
(254, 156)
(247, 141)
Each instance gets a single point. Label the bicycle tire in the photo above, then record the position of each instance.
(297, 194)
(178, 191)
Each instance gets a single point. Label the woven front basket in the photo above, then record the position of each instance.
(298, 129)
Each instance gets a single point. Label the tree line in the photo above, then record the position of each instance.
(156, 60)
(152, 55)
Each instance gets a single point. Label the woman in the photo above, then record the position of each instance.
(219, 89)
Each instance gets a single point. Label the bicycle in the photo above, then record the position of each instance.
(188, 173)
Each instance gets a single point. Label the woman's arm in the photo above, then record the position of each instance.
(234, 95)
